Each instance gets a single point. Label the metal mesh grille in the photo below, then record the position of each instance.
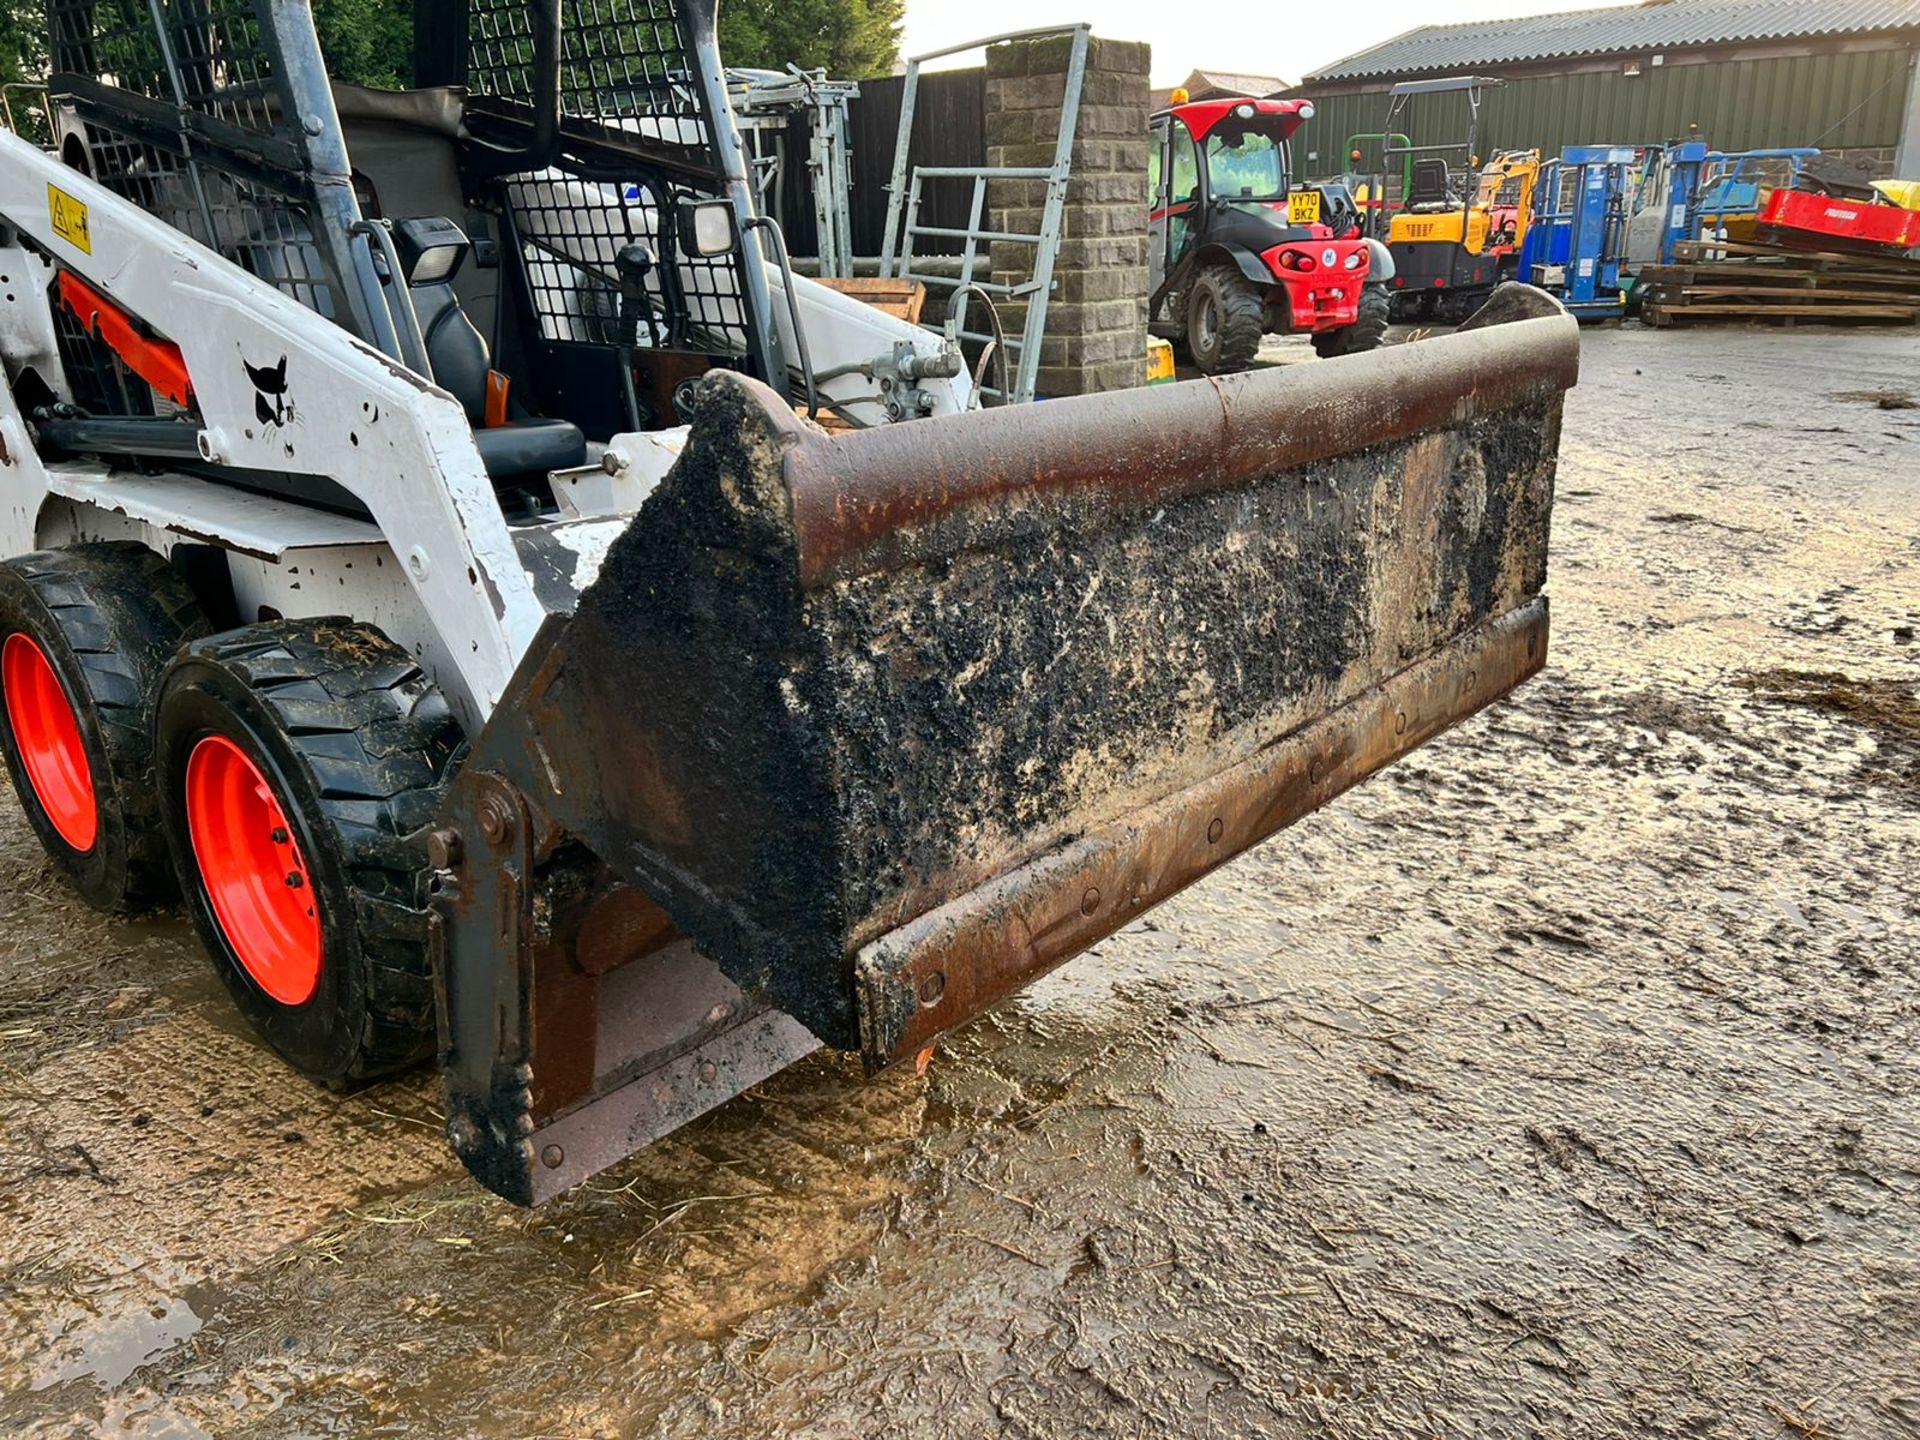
(571, 232)
(264, 231)
(101, 385)
(112, 40)
(624, 65)
(620, 60)
(224, 70)
(219, 54)
(213, 59)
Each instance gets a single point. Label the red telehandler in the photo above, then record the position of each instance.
(1236, 250)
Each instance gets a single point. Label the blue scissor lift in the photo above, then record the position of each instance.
(1577, 240)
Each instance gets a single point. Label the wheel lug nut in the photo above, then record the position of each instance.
(294, 882)
(279, 836)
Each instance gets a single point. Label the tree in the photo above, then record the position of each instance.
(23, 40)
(850, 39)
(370, 42)
(367, 42)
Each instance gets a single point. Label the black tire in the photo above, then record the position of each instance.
(1410, 307)
(1368, 330)
(106, 617)
(1457, 306)
(1224, 321)
(355, 743)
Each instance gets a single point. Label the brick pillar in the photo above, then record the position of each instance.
(1096, 335)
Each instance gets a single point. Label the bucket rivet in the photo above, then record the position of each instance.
(1473, 678)
(1314, 771)
(552, 1157)
(1399, 722)
(1215, 830)
(933, 987)
(720, 1013)
(708, 1072)
(1090, 901)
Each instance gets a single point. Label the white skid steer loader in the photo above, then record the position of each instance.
(421, 568)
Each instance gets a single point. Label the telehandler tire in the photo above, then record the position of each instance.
(1224, 321)
(85, 634)
(1369, 327)
(299, 762)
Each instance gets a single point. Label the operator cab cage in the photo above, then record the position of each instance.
(1205, 130)
(1188, 143)
(588, 171)
(1204, 137)
(1442, 172)
(1201, 116)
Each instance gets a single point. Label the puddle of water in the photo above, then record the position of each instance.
(108, 1349)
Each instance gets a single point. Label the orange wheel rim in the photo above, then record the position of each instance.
(252, 870)
(46, 732)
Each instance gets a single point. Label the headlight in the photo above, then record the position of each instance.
(1305, 112)
(706, 227)
(1356, 259)
(436, 265)
(431, 249)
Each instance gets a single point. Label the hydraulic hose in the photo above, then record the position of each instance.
(997, 346)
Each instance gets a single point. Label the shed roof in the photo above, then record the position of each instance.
(1204, 83)
(1657, 25)
(1234, 82)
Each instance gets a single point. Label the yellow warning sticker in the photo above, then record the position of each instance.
(69, 219)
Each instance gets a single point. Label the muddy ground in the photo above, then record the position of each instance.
(1564, 1081)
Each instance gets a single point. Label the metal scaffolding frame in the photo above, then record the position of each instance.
(903, 212)
(763, 104)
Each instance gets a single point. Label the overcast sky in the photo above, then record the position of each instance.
(1285, 39)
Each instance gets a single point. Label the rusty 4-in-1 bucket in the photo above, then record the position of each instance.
(885, 725)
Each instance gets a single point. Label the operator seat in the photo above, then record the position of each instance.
(403, 145)
(1431, 187)
(458, 354)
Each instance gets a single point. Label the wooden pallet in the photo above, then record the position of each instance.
(1685, 250)
(902, 298)
(1716, 281)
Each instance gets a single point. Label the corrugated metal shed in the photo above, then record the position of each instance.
(1626, 28)
(1834, 101)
